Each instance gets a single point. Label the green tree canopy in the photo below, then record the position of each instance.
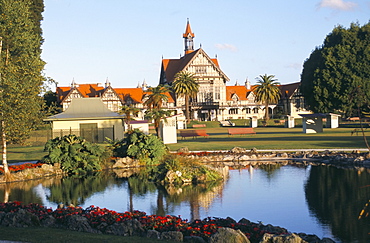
(336, 76)
(20, 70)
(185, 86)
(157, 96)
(267, 91)
(130, 112)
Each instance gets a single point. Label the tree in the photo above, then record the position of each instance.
(335, 72)
(267, 91)
(157, 96)
(157, 115)
(185, 86)
(21, 67)
(129, 112)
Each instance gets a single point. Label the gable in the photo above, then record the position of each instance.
(197, 62)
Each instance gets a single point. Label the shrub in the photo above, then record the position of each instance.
(148, 149)
(75, 154)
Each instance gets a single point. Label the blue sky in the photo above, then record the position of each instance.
(124, 40)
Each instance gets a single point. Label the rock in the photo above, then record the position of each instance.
(194, 239)
(126, 162)
(48, 221)
(153, 234)
(78, 223)
(309, 238)
(173, 236)
(184, 150)
(125, 228)
(238, 150)
(291, 238)
(21, 218)
(228, 235)
(170, 176)
(244, 221)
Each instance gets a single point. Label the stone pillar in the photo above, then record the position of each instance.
(254, 121)
(289, 122)
(332, 120)
(167, 130)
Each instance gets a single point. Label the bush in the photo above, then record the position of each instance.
(148, 149)
(75, 154)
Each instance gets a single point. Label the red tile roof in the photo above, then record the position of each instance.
(86, 90)
(136, 94)
(241, 91)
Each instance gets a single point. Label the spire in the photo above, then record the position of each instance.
(247, 84)
(107, 83)
(188, 39)
(73, 84)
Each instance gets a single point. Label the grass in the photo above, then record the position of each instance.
(51, 235)
(274, 138)
(270, 137)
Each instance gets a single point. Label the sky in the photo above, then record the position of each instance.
(124, 41)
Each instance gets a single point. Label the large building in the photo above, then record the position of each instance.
(215, 101)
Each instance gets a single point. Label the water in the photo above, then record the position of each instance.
(320, 200)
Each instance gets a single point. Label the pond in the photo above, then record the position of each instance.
(321, 200)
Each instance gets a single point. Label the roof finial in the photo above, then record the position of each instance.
(73, 83)
(107, 83)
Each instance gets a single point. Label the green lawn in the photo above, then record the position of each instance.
(273, 137)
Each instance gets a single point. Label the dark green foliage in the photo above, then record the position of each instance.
(21, 67)
(336, 76)
(149, 149)
(75, 154)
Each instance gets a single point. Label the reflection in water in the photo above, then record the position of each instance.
(336, 197)
(270, 193)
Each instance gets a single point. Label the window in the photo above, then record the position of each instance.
(200, 69)
(233, 111)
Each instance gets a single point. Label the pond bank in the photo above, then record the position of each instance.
(169, 228)
(358, 159)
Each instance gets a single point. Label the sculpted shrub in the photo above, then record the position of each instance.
(75, 154)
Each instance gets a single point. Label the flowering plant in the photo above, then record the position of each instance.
(101, 216)
(16, 168)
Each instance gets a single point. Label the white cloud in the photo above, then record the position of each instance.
(226, 47)
(337, 4)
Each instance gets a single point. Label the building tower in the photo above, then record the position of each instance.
(188, 39)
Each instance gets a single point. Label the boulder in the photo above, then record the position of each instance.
(21, 218)
(78, 223)
(172, 236)
(291, 238)
(153, 234)
(228, 235)
(125, 228)
(238, 150)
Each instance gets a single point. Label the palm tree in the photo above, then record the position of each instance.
(185, 85)
(129, 111)
(267, 91)
(157, 95)
(157, 115)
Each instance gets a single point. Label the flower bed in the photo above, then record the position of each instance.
(102, 217)
(16, 168)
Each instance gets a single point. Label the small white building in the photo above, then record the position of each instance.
(90, 119)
